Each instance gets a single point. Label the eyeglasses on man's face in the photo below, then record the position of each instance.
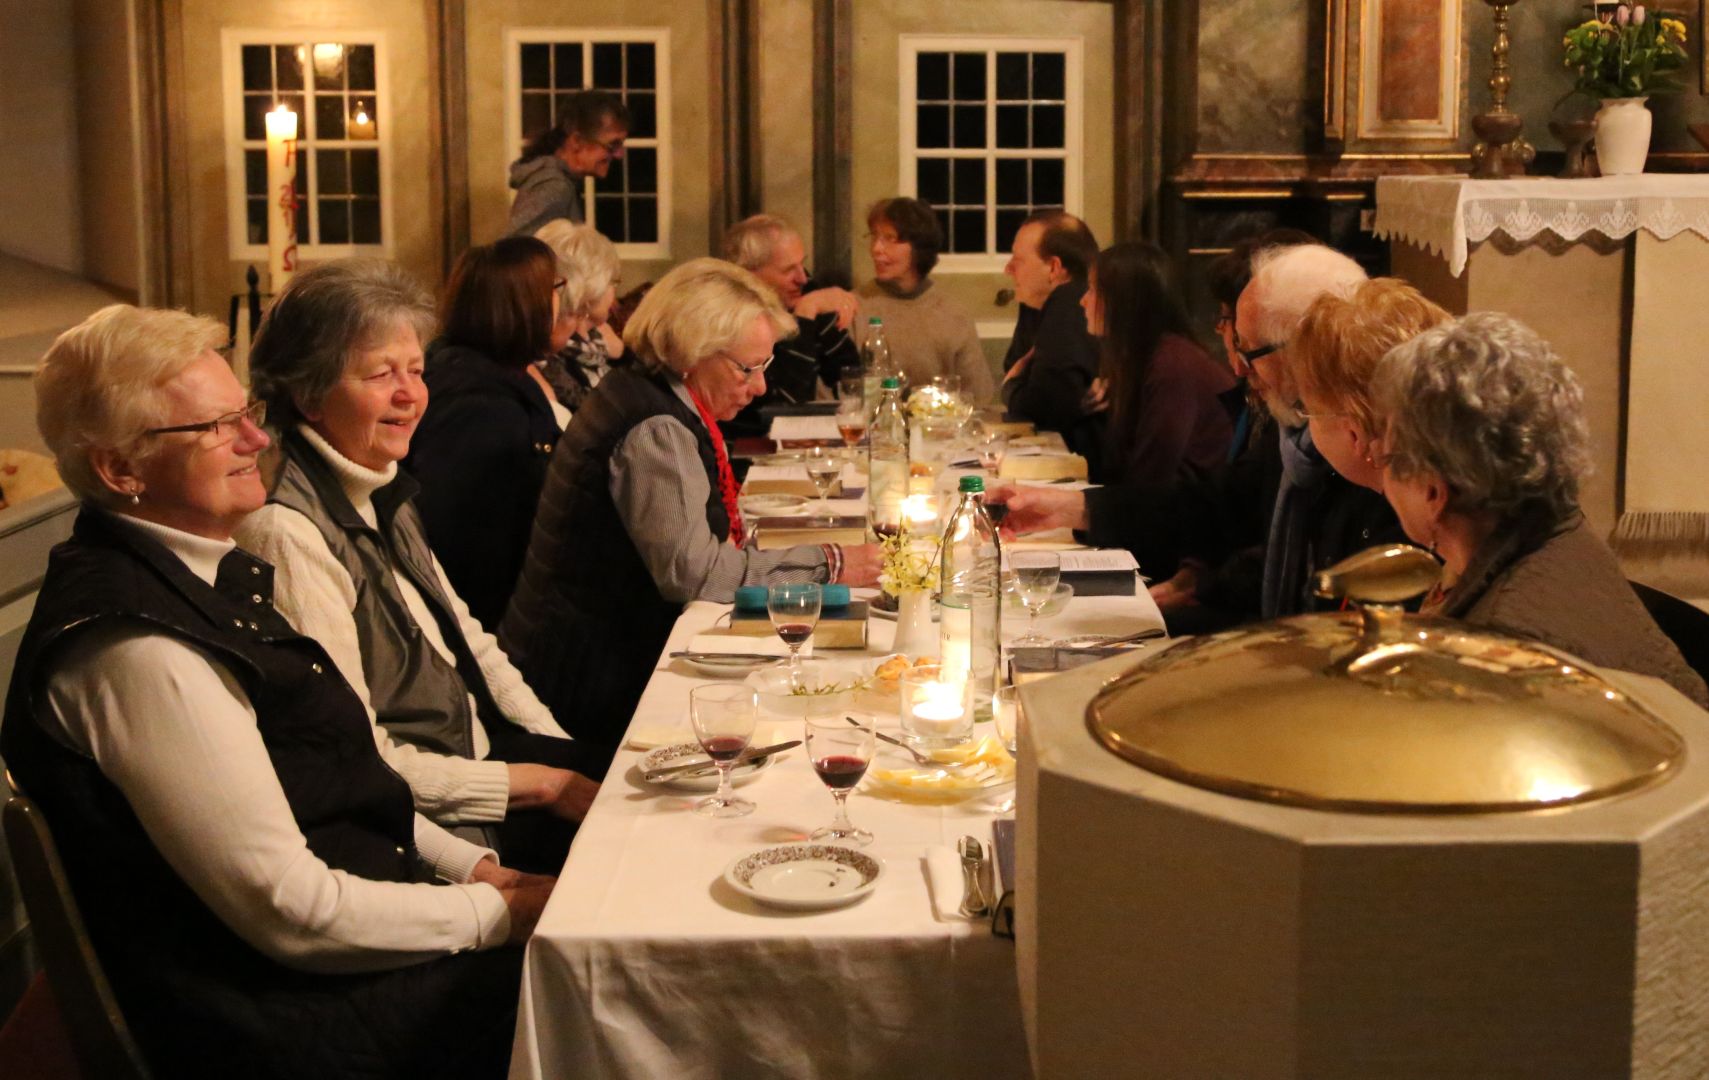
(223, 429)
(1257, 352)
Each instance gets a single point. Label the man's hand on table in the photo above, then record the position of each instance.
(565, 793)
(1037, 509)
(861, 564)
(489, 872)
(1180, 591)
(525, 895)
(816, 303)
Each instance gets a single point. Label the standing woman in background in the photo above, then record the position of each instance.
(480, 453)
(1163, 391)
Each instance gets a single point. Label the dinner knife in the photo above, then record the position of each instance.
(692, 767)
(693, 655)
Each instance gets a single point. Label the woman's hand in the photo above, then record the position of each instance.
(566, 794)
(1019, 367)
(525, 903)
(1097, 397)
(613, 343)
(489, 872)
(819, 301)
(861, 564)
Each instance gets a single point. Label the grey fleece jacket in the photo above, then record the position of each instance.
(545, 189)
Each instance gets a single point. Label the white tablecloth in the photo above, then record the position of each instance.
(1445, 214)
(646, 965)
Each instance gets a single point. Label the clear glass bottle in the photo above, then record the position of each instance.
(887, 459)
(970, 586)
(876, 363)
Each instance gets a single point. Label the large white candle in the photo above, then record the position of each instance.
(281, 197)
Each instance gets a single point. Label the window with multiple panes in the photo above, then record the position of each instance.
(990, 133)
(335, 88)
(631, 204)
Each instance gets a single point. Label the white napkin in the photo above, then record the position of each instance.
(769, 645)
(943, 877)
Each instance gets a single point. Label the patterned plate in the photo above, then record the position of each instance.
(805, 877)
(682, 752)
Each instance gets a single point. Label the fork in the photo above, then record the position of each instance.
(919, 758)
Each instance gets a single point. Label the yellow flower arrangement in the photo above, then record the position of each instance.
(909, 565)
(1624, 53)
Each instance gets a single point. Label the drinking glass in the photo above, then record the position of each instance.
(851, 421)
(723, 718)
(823, 468)
(936, 707)
(794, 611)
(1036, 575)
(1006, 711)
(991, 450)
(949, 384)
(840, 752)
(852, 388)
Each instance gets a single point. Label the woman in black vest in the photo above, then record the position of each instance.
(639, 512)
(254, 878)
(339, 362)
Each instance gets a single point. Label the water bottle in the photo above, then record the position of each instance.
(876, 363)
(970, 586)
(887, 459)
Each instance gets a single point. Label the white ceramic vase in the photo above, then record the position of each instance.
(915, 633)
(1622, 136)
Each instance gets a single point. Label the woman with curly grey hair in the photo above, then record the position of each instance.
(1483, 449)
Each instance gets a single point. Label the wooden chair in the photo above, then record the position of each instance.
(99, 1035)
(1686, 624)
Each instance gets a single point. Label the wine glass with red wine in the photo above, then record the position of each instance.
(840, 752)
(723, 718)
(794, 610)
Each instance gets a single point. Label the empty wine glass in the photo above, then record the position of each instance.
(1036, 575)
(840, 752)
(794, 611)
(823, 468)
(1006, 711)
(723, 718)
(991, 450)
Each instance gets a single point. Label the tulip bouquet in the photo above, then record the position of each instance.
(1626, 52)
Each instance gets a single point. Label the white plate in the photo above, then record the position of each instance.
(681, 752)
(727, 667)
(772, 505)
(893, 768)
(833, 683)
(805, 877)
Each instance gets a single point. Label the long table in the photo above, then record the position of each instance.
(646, 964)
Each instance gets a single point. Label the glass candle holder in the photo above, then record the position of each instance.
(936, 707)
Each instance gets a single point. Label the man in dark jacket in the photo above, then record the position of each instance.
(1277, 492)
(1052, 358)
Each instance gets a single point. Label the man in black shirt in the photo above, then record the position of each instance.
(823, 352)
(1052, 359)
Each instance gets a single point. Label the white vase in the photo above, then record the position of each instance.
(1622, 136)
(915, 633)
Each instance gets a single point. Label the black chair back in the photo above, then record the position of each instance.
(99, 1035)
(1685, 624)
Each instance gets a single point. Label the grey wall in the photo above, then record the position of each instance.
(39, 216)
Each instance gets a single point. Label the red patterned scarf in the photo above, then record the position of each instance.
(726, 478)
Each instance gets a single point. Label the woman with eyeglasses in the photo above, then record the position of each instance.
(639, 515)
(480, 454)
(583, 343)
(250, 871)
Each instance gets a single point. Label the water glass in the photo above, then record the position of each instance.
(936, 707)
(840, 749)
(991, 450)
(1006, 710)
(723, 718)
(823, 468)
(1036, 577)
(794, 611)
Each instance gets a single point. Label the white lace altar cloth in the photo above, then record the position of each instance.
(1447, 214)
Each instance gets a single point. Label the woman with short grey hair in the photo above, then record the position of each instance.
(1483, 449)
(339, 361)
(584, 345)
(639, 513)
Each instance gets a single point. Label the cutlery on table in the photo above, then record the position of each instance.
(919, 758)
(688, 654)
(1095, 641)
(703, 765)
(973, 902)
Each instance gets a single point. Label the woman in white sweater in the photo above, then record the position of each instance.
(339, 362)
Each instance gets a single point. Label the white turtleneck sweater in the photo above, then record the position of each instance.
(312, 589)
(175, 732)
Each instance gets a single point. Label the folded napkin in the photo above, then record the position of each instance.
(725, 641)
(943, 879)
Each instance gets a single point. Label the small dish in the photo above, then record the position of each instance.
(727, 667)
(769, 505)
(979, 768)
(823, 686)
(663, 756)
(805, 877)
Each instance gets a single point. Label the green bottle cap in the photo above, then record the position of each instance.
(891, 382)
(875, 321)
(972, 483)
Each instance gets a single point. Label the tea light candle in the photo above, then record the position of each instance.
(920, 512)
(941, 710)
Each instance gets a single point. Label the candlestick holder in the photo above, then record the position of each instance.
(936, 707)
(1503, 150)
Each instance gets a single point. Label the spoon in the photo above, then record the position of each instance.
(919, 758)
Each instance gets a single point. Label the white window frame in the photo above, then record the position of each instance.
(660, 38)
(909, 46)
(232, 42)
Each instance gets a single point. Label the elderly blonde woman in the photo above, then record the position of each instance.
(1483, 448)
(583, 342)
(339, 362)
(1335, 350)
(639, 512)
(250, 871)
